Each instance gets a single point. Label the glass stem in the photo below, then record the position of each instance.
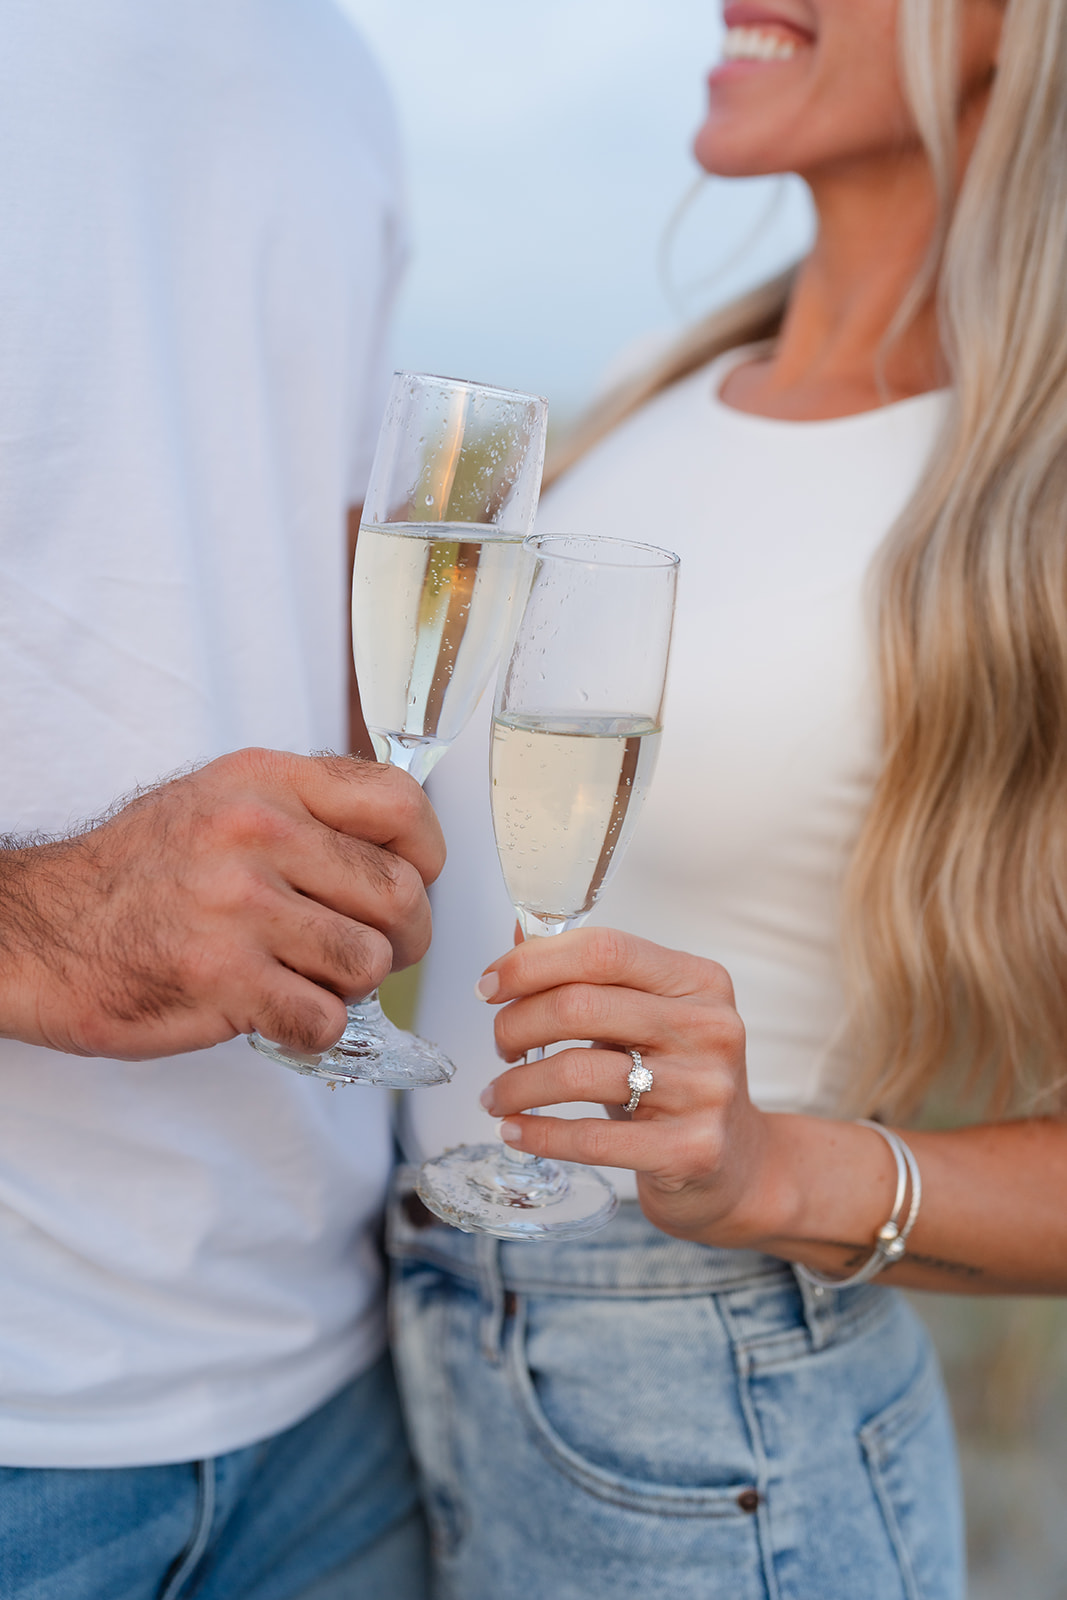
(411, 754)
(523, 1158)
(534, 927)
(418, 757)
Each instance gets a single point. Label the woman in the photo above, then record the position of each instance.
(855, 829)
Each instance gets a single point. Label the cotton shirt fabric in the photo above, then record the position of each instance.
(770, 732)
(202, 234)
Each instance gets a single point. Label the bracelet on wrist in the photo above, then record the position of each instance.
(891, 1240)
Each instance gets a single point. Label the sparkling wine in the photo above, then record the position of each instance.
(566, 792)
(430, 604)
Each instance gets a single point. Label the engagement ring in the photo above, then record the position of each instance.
(640, 1080)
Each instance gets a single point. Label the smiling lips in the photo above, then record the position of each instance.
(758, 44)
(758, 31)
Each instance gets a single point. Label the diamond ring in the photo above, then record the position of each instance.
(639, 1078)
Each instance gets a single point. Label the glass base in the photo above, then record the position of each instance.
(484, 1188)
(371, 1050)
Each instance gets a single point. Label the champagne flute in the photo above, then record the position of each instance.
(576, 728)
(452, 495)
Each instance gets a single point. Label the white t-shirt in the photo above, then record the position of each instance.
(770, 741)
(201, 237)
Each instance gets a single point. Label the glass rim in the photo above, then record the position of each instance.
(662, 558)
(471, 383)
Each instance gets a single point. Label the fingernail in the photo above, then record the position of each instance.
(487, 985)
(488, 1098)
(511, 1132)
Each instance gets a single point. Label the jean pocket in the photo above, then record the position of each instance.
(910, 1451)
(626, 1399)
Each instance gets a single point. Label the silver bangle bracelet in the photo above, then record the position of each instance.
(891, 1240)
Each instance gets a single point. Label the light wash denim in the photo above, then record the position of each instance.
(631, 1417)
(327, 1510)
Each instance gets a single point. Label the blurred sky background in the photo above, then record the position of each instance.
(548, 148)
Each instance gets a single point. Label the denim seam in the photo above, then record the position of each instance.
(440, 1498)
(632, 1494)
(744, 1369)
(191, 1557)
(893, 1424)
(890, 1427)
(452, 1522)
(442, 1261)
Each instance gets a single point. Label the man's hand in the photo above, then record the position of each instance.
(258, 893)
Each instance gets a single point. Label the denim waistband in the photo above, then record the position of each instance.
(628, 1259)
(631, 1256)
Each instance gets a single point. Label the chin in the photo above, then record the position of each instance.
(728, 153)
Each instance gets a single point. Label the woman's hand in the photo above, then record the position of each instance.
(712, 1167)
(696, 1142)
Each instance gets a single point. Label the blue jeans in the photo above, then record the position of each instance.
(631, 1416)
(326, 1510)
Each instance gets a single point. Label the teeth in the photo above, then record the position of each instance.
(756, 44)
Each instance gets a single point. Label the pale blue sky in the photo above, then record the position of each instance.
(548, 147)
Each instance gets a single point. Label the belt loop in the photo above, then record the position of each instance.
(819, 1309)
(491, 1284)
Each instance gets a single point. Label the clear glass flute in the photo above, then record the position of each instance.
(452, 495)
(576, 728)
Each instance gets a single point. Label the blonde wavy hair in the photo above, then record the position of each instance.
(955, 905)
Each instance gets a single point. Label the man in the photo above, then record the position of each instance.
(200, 241)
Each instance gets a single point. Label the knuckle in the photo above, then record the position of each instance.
(718, 981)
(730, 1032)
(417, 942)
(596, 1142)
(252, 764)
(518, 967)
(700, 1148)
(396, 791)
(608, 951)
(366, 957)
(406, 798)
(580, 1009)
(310, 1025)
(406, 892)
(579, 1075)
(724, 1090)
(250, 821)
(363, 863)
(342, 767)
(97, 1033)
(502, 1033)
(233, 890)
(252, 897)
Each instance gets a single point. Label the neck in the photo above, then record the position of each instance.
(834, 356)
(841, 349)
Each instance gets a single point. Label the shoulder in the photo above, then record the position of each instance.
(324, 67)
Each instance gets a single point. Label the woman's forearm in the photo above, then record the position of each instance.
(993, 1218)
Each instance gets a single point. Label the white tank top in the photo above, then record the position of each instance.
(770, 742)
